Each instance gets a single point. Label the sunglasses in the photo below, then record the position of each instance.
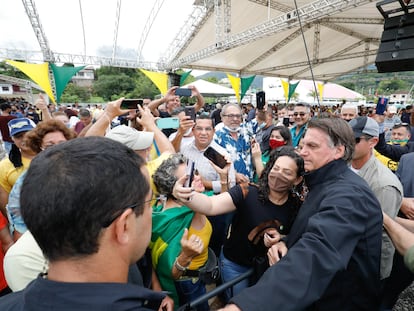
(302, 114)
(358, 139)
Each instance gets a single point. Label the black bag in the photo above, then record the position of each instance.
(260, 265)
(210, 272)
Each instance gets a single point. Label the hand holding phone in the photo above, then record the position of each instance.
(189, 171)
(131, 103)
(183, 92)
(190, 111)
(381, 105)
(214, 156)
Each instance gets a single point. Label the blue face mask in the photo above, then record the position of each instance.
(262, 125)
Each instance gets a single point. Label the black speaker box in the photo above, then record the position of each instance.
(174, 79)
(396, 51)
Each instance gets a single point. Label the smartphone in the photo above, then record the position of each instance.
(260, 100)
(214, 156)
(190, 173)
(190, 111)
(286, 121)
(381, 105)
(131, 103)
(168, 123)
(183, 92)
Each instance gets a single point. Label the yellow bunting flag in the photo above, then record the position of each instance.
(159, 79)
(235, 83)
(39, 73)
(320, 90)
(285, 85)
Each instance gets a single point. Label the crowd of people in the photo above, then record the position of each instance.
(102, 209)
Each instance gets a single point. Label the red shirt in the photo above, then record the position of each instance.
(3, 283)
(4, 128)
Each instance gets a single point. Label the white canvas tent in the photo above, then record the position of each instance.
(208, 89)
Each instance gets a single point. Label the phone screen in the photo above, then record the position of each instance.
(214, 156)
(381, 105)
(131, 103)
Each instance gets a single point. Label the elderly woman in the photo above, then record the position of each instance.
(180, 237)
(44, 135)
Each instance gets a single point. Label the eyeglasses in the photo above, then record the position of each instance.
(302, 114)
(232, 116)
(107, 223)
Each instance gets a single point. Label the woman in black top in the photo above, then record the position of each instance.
(263, 212)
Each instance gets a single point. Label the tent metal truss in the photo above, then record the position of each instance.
(222, 12)
(201, 12)
(315, 16)
(118, 13)
(150, 20)
(309, 13)
(38, 29)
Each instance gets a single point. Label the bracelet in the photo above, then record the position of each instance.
(180, 267)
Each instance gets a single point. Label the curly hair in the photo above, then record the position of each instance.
(164, 177)
(263, 184)
(34, 138)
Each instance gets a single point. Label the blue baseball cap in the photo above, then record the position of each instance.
(19, 125)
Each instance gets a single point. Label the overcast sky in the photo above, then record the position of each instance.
(61, 21)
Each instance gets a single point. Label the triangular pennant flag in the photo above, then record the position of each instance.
(62, 77)
(320, 90)
(39, 73)
(285, 85)
(292, 88)
(235, 83)
(245, 84)
(184, 76)
(159, 79)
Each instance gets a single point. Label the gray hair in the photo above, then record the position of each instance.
(164, 177)
(226, 106)
(350, 106)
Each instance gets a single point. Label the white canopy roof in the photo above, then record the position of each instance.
(264, 37)
(209, 89)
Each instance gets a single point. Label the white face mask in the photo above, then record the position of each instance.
(232, 130)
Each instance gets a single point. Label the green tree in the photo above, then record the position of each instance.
(393, 85)
(111, 87)
(9, 70)
(212, 79)
(348, 85)
(144, 88)
(109, 71)
(74, 93)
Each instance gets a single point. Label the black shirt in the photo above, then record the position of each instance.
(250, 214)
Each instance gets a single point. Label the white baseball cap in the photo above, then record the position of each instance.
(130, 137)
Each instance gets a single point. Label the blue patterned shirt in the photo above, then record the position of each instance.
(239, 149)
